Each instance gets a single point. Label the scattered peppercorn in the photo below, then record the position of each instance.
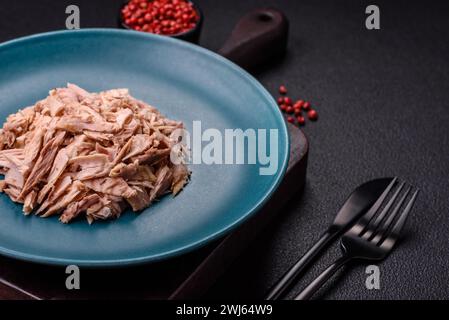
(286, 105)
(298, 104)
(280, 100)
(312, 115)
(306, 105)
(167, 17)
(282, 90)
(288, 101)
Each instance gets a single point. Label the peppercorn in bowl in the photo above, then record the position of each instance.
(181, 19)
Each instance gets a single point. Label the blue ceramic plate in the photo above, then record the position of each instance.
(185, 82)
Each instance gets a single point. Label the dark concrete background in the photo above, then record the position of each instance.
(381, 96)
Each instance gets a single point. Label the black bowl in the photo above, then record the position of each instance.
(192, 35)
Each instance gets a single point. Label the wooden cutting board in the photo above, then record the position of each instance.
(185, 277)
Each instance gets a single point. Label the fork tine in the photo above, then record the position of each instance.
(361, 225)
(393, 235)
(382, 230)
(372, 211)
(370, 229)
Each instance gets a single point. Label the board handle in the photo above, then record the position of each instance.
(259, 37)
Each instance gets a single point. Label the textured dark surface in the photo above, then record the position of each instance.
(383, 111)
(381, 96)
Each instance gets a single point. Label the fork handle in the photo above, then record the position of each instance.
(308, 292)
(287, 279)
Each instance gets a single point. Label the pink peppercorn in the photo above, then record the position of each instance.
(282, 90)
(312, 115)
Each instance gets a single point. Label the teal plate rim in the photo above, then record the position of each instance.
(284, 135)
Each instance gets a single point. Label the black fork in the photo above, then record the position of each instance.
(373, 236)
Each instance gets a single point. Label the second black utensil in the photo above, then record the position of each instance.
(373, 236)
(361, 199)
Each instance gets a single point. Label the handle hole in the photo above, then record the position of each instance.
(265, 17)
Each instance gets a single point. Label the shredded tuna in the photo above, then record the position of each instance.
(90, 166)
(180, 176)
(163, 182)
(140, 200)
(92, 155)
(30, 202)
(75, 208)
